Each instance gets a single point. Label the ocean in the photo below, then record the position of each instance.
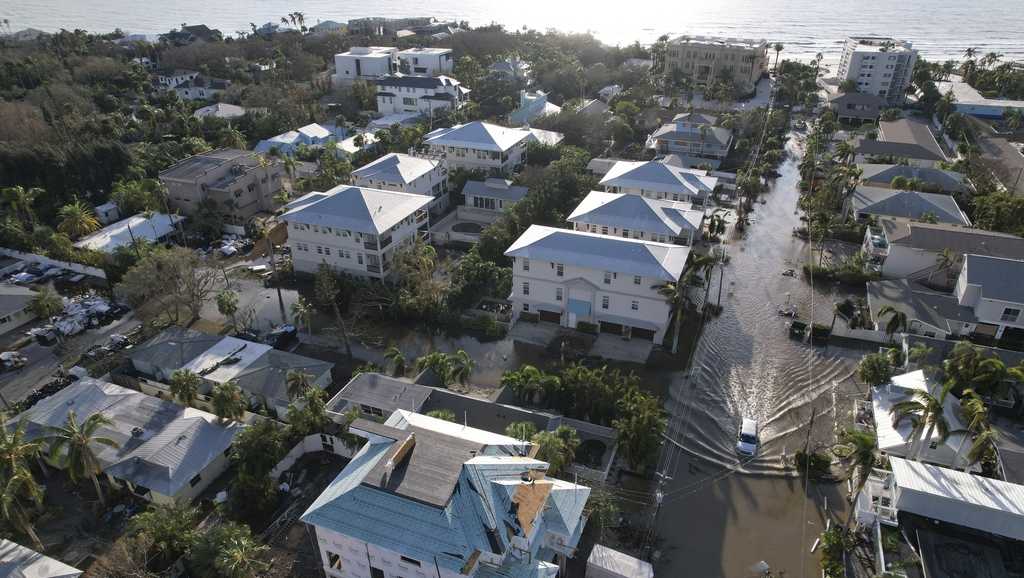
(940, 29)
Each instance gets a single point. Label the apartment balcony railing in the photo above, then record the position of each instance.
(373, 268)
(385, 241)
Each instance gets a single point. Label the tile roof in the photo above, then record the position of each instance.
(637, 213)
(161, 445)
(478, 135)
(660, 177)
(907, 204)
(882, 175)
(352, 208)
(999, 278)
(396, 168)
(601, 252)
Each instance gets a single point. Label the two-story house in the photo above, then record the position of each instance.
(906, 140)
(169, 79)
(427, 498)
(355, 230)
(426, 61)
(636, 217)
(477, 145)
(239, 183)
(611, 283)
(492, 194)
(364, 63)
(660, 181)
(994, 288)
(693, 135)
(532, 105)
(398, 93)
(201, 88)
(407, 174)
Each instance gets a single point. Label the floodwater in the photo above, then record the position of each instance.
(721, 515)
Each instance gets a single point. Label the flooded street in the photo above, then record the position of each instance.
(721, 515)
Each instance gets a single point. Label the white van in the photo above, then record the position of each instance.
(747, 443)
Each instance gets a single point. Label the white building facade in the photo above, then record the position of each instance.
(610, 283)
(407, 174)
(427, 61)
(495, 149)
(878, 65)
(364, 63)
(354, 230)
(426, 95)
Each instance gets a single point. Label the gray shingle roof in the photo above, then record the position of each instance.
(907, 204)
(173, 347)
(962, 240)
(999, 278)
(380, 391)
(910, 131)
(882, 175)
(870, 147)
(934, 309)
(266, 377)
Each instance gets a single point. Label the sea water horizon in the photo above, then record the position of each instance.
(940, 29)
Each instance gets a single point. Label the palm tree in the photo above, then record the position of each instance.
(927, 414)
(46, 303)
(185, 386)
(897, 320)
(983, 444)
(297, 383)
(16, 451)
(521, 430)
(442, 414)
(778, 49)
(19, 200)
(77, 219)
(227, 401)
(76, 441)
(238, 557)
(527, 382)
(460, 366)
(674, 293)
(302, 313)
(14, 490)
(396, 358)
(227, 305)
(944, 261)
(860, 449)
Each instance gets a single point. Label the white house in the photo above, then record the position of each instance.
(407, 174)
(512, 68)
(172, 78)
(694, 137)
(909, 249)
(479, 145)
(259, 370)
(532, 105)
(201, 88)
(993, 287)
(165, 453)
(17, 561)
(659, 181)
(636, 217)
(427, 61)
(107, 213)
(154, 228)
(398, 93)
(364, 63)
(433, 499)
(571, 277)
(353, 229)
(312, 135)
(492, 194)
(15, 306)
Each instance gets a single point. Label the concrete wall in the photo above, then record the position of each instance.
(309, 444)
(15, 319)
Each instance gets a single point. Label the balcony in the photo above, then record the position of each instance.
(877, 501)
(385, 241)
(876, 244)
(373, 268)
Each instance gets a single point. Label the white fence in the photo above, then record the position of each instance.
(309, 444)
(33, 258)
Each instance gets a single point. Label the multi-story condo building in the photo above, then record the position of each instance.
(427, 498)
(427, 61)
(878, 65)
(355, 230)
(636, 217)
(407, 174)
(706, 58)
(364, 63)
(660, 181)
(498, 150)
(239, 183)
(571, 278)
(693, 136)
(398, 93)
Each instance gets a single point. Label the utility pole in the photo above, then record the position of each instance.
(277, 283)
(659, 497)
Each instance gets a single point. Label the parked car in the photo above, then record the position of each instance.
(747, 443)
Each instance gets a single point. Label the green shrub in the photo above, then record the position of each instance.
(586, 327)
(529, 317)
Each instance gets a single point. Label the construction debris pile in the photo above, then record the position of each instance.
(81, 313)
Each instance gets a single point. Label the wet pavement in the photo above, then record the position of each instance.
(720, 516)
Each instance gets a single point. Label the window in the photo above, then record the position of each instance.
(604, 230)
(376, 572)
(333, 560)
(410, 561)
(604, 302)
(319, 250)
(1010, 314)
(327, 250)
(558, 293)
(526, 288)
(408, 101)
(634, 305)
(526, 264)
(607, 278)
(526, 307)
(195, 480)
(559, 269)
(625, 233)
(359, 258)
(637, 279)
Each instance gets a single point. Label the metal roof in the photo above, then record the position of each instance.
(360, 209)
(396, 168)
(495, 188)
(601, 252)
(477, 135)
(899, 440)
(907, 204)
(123, 232)
(17, 561)
(637, 213)
(659, 177)
(999, 278)
(959, 498)
(719, 135)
